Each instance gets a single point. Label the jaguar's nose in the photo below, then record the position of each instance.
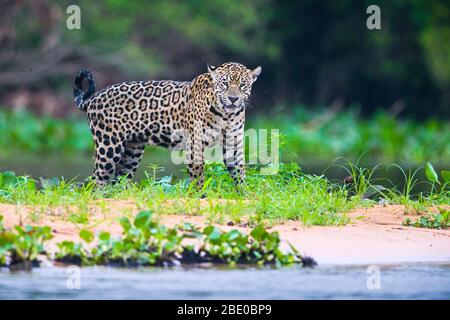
(233, 99)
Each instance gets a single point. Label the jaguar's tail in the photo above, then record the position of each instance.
(78, 94)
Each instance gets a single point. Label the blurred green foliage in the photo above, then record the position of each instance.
(24, 132)
(137, 29)
(382, 137)
(206, 23)
(304, 134)
(312, 51)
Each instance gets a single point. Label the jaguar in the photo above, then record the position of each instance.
(179, 115)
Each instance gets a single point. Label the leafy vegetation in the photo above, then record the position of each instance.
(325, 135)
(21, 131)
(303, 135)
(21, 247)
(147, 243)
(439, 220)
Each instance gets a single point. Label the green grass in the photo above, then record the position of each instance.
(288, 195)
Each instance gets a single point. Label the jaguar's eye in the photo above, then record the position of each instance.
(244, 88)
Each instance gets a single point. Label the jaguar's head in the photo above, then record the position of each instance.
(232, 84)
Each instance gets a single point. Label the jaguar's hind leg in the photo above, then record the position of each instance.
(108, 152)
(130, 160)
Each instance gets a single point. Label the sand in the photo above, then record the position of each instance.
(374, 236)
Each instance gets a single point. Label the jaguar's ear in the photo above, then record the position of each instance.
(255, 73)
(212, 71)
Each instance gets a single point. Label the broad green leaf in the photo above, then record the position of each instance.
(445, 175)
(86, 235)
(143, 219)
(9, 178)
(104, 236)
(213, 234)
(233, 235)
(207, 231)
(258, 233)
(21, 231)
(431, 173)
(126, 224)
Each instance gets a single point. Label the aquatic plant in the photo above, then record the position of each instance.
(4, 247)
(259, 247)
(21, 246)
(147, 243)
(71, 253)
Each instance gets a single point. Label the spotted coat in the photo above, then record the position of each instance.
(191, 116)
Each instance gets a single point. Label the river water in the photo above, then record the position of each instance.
(403, 281)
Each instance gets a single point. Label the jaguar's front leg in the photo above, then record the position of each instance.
(195, 161)
(233, 156)
(196, 175)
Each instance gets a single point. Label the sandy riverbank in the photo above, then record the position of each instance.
(375, 235)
